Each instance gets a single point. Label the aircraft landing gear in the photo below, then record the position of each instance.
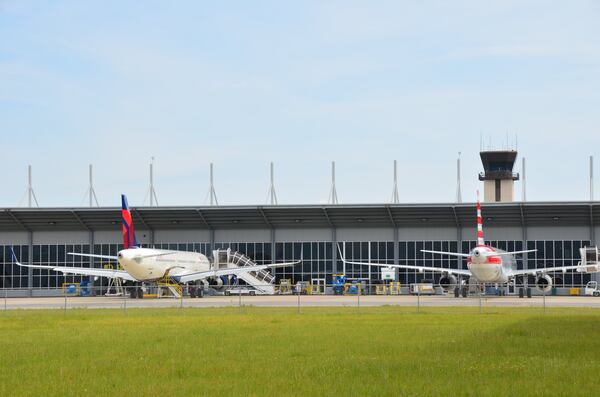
(196, 291)
(457, 292)
(465, 292)
(136, 292)
(524, 292)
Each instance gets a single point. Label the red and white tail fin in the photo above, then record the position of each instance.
(480, 239)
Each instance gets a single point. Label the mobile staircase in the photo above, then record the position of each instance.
(261, 280)
(166, 288)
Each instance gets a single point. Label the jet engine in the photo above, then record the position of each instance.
(448, 281)
(543, 283)
(215, 283)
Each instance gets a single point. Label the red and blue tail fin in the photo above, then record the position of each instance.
(129, 240)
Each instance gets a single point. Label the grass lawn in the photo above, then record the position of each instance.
(386, 351)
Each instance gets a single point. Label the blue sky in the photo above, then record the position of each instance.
(299, 83)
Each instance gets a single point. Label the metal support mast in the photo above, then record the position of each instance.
(271, 195)
(591, 178)
(151, 191)
(458, 188)
(395, 196)
(91, 192)
(524, 181)
(211, 192)
(30, 193)
(333, 198)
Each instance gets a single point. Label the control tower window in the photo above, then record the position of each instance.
(498, 190)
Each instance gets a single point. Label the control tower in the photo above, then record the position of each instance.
(498, 177)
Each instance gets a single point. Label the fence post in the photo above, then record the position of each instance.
(479, 293)
(298, 292)
(125, 299)
(5, 296)
(544, 299)
(418, 299)
(240, 299)
(65, 307)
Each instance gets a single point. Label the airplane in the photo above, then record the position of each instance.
(485, 264)
(142, 265)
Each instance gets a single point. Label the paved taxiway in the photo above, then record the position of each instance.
(292, 301)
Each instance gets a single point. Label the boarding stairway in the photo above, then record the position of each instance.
(262, 280)
(167, 284)
(590, 260)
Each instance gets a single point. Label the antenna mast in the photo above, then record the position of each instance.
(91, 192)
(151, 191)
(591, 178)
(524, 181)
(211, 191)
(395, 196)
(30, 193)
(333, 199)
(271, 195)
(458, 188)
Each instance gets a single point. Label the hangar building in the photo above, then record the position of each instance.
(390, 233)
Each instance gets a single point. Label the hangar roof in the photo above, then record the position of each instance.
(306, 216)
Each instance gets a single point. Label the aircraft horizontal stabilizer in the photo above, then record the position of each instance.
(514, 252)
(446, 253)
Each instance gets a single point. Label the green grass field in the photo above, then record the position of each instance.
(385, 351)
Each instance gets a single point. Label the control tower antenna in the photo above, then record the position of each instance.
(498, 176)
(395, 196)
(211, 190)
(271, 195)
(458, 188)
(333, 198)
(91, 192)
(30, 193)
(151, 191)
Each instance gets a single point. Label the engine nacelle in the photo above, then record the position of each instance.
(216, 283)
(543, 283)
(448, 282)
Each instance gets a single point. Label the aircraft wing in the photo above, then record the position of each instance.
(545, 270)
(83, 271)
(411, 267)
(186, 278)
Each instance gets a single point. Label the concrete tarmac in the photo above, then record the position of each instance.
(102, 302)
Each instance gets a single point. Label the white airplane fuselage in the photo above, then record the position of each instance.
(488, 267)
(146, 264)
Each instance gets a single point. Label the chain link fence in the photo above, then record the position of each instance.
(419, 297)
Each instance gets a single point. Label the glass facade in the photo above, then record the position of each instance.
(317, 259)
